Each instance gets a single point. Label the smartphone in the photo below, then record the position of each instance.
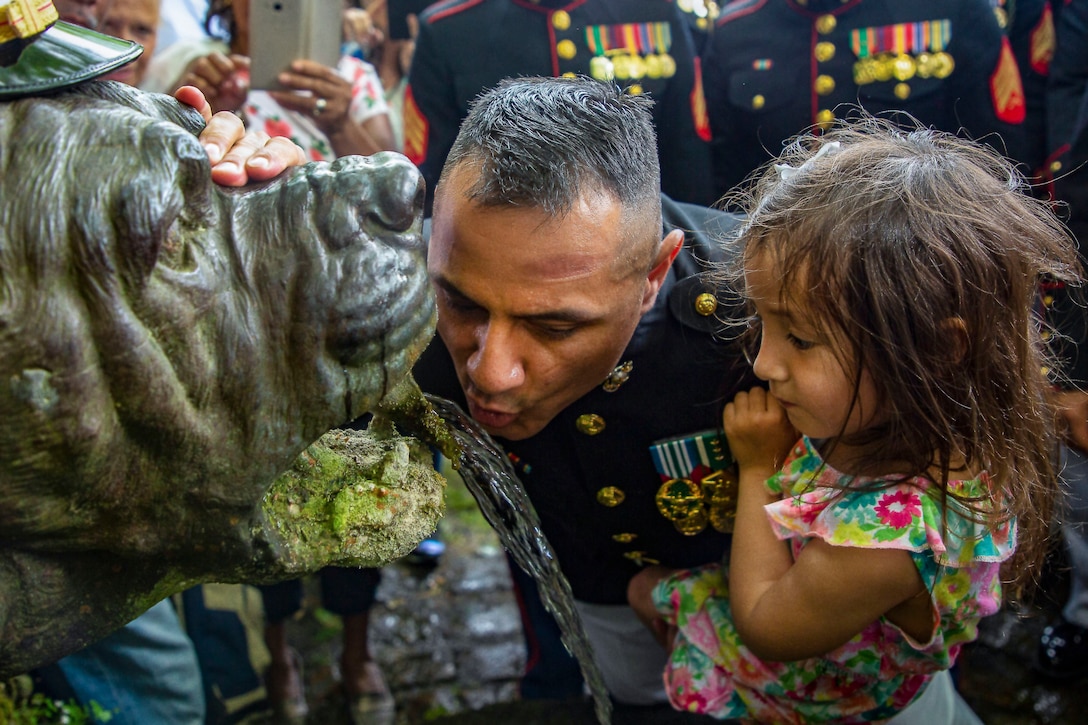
(282, 31)
(399, 10)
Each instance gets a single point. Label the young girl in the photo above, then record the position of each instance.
(903, 450)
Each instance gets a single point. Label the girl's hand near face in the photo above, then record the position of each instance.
(759, 432)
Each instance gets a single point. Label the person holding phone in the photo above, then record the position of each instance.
(329, 112)
(383, 33)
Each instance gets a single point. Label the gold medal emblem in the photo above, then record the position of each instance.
(654, 66)
(945, 65)
(668, 65)
(680, 500)
(903, 67)
(863, 72)
(638, 67)
(691, 506)
(882, 69)
(720, 491)
(926, 63)
(601, 68)
(693, 524)
(589, 423)
(610, 496)
(621, 65)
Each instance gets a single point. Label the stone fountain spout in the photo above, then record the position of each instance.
(173, 356)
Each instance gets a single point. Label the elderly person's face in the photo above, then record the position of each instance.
(138, 21)
(82, 12)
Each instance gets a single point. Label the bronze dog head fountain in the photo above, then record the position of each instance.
(169, 348)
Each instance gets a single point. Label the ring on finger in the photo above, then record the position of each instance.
(319, 106)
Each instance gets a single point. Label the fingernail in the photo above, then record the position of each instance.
(257, 162)
(214, 154)
(228, 167)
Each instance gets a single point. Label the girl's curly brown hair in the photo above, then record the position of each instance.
(924, 252)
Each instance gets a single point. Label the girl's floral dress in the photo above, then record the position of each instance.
(367, 100)
(881, 670)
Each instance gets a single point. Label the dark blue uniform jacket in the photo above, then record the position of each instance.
(683, 373)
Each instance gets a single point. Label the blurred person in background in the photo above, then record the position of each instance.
(465, 47)
(330, 112)
(777, 68)
(367, 35)
(138, 21)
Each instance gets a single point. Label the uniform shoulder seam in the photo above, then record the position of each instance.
(738, 9)
(445, 8)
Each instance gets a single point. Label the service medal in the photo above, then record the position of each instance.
(945, 65)
(668, 65)
(654, 66)
(903, 67)
(601, 68)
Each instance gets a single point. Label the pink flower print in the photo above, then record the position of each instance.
(684, 691)
(809, 512)
(898, 509)
(277, 127)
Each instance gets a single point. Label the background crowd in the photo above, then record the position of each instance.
(730, 86)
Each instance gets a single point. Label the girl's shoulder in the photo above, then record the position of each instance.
(910, 514)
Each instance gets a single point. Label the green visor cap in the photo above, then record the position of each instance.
(62, 56)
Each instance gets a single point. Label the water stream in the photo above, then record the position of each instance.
(491, 479)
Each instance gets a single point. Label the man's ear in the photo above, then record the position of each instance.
(666, 253)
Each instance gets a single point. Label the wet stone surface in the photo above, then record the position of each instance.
(450, 644)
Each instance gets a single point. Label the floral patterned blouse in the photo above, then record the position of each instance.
(881, 670)
(367, 101)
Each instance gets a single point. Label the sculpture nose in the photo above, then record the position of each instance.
(399, 191)
(370, 197)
